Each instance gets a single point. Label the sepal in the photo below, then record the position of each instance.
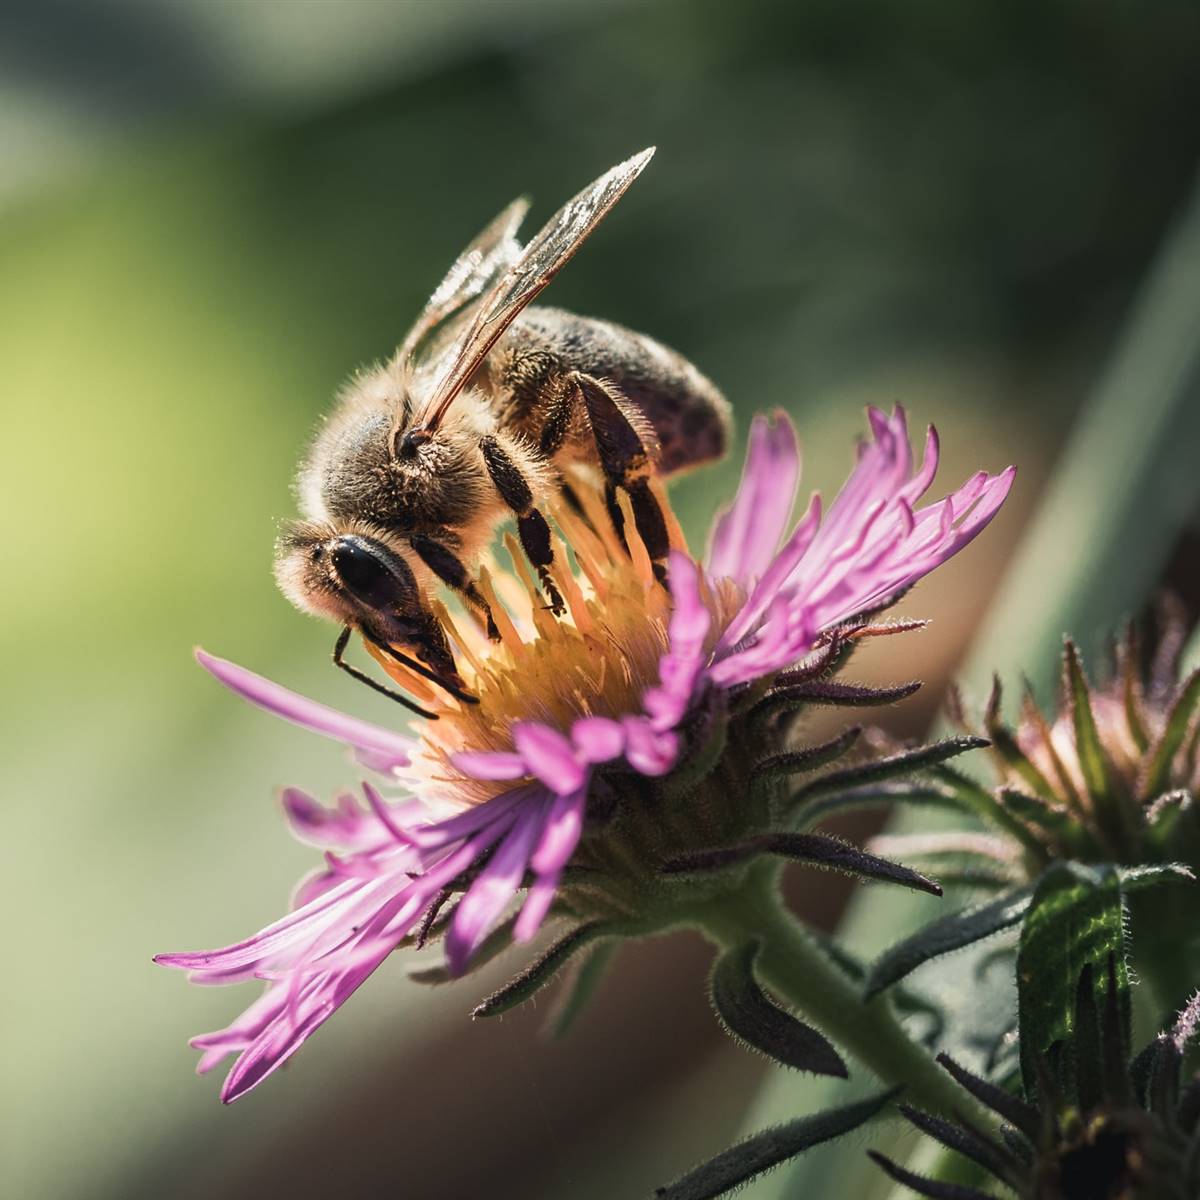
(578, 988)
(543, 969)
(813, 849)
(743, 1161)
(948, 933)
(751, 1017)
(879, 770)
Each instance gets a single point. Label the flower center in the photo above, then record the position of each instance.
(596, 659)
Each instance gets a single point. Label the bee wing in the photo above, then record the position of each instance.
(536, 265)
(475, 270)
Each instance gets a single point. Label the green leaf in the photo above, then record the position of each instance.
(828, 693)
(577, 991)
(792, 762)
(814, 849)
(948, 933)
(496, 942)
(875, 796)
(934, 1189)
(1135, 879)
(1093, 761)
(970, 1143)
(1010, 754)
(544, 968)
(906, 762)
(1075, 920)
(988, 807)
(750, 1017)
(1158, 769)
(742, 1162)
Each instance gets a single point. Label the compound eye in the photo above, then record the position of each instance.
(364, 573)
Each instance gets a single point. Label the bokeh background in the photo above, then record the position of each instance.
(212, 210)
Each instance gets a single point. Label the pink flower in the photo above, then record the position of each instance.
(499, 790)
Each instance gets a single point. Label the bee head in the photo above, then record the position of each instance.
(353, 577)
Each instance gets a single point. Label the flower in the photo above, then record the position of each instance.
(609, 717)
(1112, 778)
(1096, 1126)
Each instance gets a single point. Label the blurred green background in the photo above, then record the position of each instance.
(210, 212)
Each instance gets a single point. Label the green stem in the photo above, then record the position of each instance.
(793, 966)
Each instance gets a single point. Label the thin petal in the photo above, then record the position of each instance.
(745, 536)
(560, 833)
(498, 882)
(597, 739)
(490, 764)
(386, 750)
(549, 756)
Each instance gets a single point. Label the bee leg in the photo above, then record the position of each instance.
(339, 661)
(442, 561)
(626, 449)
(532, 529)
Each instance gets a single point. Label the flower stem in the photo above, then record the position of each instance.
(793, 966)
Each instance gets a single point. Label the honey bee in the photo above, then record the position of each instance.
(482, 410)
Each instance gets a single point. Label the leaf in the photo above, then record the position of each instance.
(831, 694)
(815, 811)
(791, 762)
(1075, 920)
(1135, 879)
(968, 1142)
(933, 1188)
(762, 1151)
(577, 991)
(1179, 720)
(543, 969)
(989, 807)
(496, 942)
(1005, 1105)
(1006, 749)
(906, 762)
(752, 1018)
(1093, 761)
(816, 849)
(948, 933)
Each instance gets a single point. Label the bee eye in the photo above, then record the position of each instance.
(364, 575)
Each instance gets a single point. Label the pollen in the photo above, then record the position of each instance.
(595, 659)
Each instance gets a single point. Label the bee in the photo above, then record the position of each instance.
(483, 410)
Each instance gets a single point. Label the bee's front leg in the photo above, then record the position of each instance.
(446, 565)
(532, 528)
(626, 447)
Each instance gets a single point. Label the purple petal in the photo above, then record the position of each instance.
(560, 833)
(597, 739)
(549, 756)
(384, 749)
(745, 536)
(441, 833)
(648, 750)
(680, 667)
(537, 905)
(490, 764)
(490, 894)
(774, 576)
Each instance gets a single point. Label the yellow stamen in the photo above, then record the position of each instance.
(597, 659)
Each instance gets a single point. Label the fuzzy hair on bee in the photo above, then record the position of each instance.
(485, 409)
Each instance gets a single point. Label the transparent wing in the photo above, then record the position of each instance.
(536, 265)
(474, 271)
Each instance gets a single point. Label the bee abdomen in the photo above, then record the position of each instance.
(689, 414)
